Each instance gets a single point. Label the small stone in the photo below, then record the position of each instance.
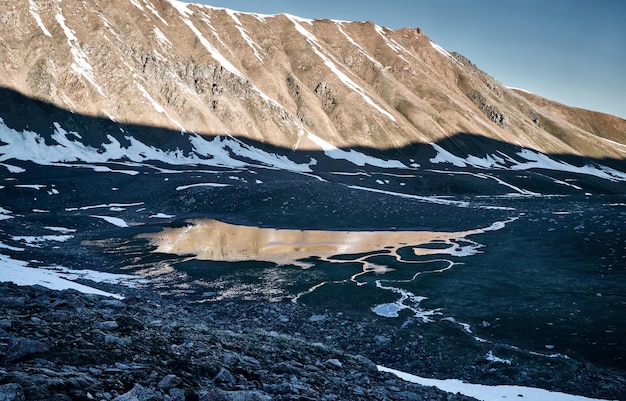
(111, 303)
(121, 341)
(284, 368)
(168, 382)
(23, 347)
(382, 340)
(177, 394)
(225, 377)
(138, 393)
(409, 396)
(11, 392)
(334, 363)
(366, 363)
(245, 395)
(108, 325)
(317, 318)
(248, 360)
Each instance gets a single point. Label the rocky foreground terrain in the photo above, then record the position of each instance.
(63, 345)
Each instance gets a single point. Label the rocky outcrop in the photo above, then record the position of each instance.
(489, 110)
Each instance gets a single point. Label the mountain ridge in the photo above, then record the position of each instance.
(279, 79)
(31, 132)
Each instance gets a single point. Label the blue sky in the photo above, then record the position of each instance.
(571, 51)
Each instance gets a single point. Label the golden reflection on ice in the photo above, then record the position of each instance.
(218, 241)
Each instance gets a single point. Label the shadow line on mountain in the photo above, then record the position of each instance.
(21, 113)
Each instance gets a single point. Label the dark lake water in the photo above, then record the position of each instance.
(545, 276)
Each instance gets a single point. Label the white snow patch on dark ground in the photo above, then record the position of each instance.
(58, 277)
(487, 393)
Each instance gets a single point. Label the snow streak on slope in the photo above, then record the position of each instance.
(355, 44)
(444, 52)
(255, 47)
(185, 14)
(156, 105)
(153, 10)
(136, 4)
(215, 53)
(161, 37)
(392, 43)
(342, 77)
(34, 11)
(81, 63)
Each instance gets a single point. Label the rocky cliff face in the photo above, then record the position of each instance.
(278, 79)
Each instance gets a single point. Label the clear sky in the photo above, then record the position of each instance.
(571, 51)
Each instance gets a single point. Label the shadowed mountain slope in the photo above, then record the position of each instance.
(35, 131)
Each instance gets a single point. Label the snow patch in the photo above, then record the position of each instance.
(353, 156)
(539, 160)
(204, 184)
(161, 37)
(62, 230)
(13, 169)
(531, 160)
(35, 241)
(519, 89)
(36, 187)
(162, 216)
(181, 7)
(30, 146)
(487, 393)
(492, 358)
(57, 277)
(103, 206)
(116, 221)
(136, 4)
(427, 199)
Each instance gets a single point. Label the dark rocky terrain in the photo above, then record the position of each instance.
(63, 345)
